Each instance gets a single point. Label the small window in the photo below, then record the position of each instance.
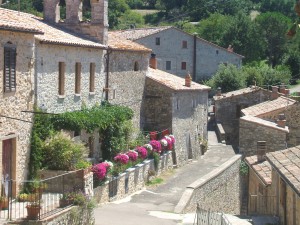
(168, 65)
(157, 41)
(92, 77)
(77, 77)
(183, 65)
(61, 78)
(177, 104)
(9, 80)
(136, 66)
(184, 44)
(217, 52)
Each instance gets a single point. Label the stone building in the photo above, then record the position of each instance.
(274, 186)
(17, 94)
(179, 52)
(172, 104)
(228, 108)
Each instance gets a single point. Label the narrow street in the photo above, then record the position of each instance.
(155, 204)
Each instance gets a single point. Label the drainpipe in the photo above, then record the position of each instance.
(107, 58)
(195, 57)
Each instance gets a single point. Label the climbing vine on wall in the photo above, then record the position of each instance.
(113, 123)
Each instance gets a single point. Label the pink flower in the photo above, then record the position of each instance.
(121, 158)
(172, 138)
(133, 155)
(99, 170)
(142, 151)
(156, 146)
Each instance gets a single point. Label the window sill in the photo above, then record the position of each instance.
(61, 96)
(92, 93)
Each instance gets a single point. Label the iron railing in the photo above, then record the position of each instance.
(19, 199)
(207, 217)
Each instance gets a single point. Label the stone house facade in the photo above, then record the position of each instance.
(17, 96)
(228, 108)
(170, 104)
(179, 52)
(274, 185)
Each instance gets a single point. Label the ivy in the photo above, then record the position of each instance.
(113, 123)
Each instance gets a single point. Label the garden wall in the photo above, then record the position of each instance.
(132, 180)
(218, 191)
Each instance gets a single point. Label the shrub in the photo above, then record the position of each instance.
(61, 153)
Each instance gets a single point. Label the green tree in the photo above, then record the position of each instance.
(130, 18)
(116, 9)
(274, 27)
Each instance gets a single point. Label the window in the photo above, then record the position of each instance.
(77, 77)
(183, 65)
(184, 44)
(157, 41)
(61, 78)
(136, 66)
(92, 77)
(168, 65)
(10, 54)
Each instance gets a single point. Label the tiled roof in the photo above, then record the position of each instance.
(262, 169)
(134, 34)
(119, 43)
(19, 21)
(138, 33)
(253, 119)
(287, 164)
(174, 82)
(238, 92)
(268, 106)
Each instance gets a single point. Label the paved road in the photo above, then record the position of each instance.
(295, 89)
(155, 205)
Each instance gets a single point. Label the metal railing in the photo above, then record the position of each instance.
(207, 217)
(35, 200)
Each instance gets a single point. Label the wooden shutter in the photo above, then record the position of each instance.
(92, 77)
(61, 78)
(9, 69)
(77, 78)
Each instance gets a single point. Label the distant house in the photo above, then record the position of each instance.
(228, 108)
(274, 185)
(179, 52)
(182, 109)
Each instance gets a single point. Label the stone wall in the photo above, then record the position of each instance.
(217, 191)
(292, 115)
(252, 132)
(13, 103)
(226, 111)
(126, 86)
(132, 180)
(209, 56)
(47, 60)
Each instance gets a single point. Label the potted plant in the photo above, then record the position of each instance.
(23, 197)
(38, 186)
(3, 202)
(33, 210)
(66, 199)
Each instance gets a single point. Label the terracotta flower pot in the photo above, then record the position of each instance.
(33, 212)
(4, 204)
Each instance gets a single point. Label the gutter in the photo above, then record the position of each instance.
(194, 58)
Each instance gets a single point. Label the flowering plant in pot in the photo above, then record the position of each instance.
(33, 210)
(4, 202)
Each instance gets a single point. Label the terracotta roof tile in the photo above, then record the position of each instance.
(286, 163)
(262, 169)
(174, 82)
(49, 33)
(268, 106)
(119, 43)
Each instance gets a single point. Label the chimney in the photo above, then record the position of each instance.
(51, 11)
(153, 61)
(219, 91)
(274, 94)
(281, 120)
(188, 80)
(261, 150)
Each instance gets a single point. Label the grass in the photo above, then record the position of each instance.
(155, 181)
(144, 12)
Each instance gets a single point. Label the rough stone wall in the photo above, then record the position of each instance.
(292, 115)
(189, 123)
(251, 133)
(126, 85)
(14, 102)
(47, 60)
(209, 57)
(217, 191)
(226, 112)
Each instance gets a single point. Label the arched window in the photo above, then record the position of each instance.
(136, 66)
